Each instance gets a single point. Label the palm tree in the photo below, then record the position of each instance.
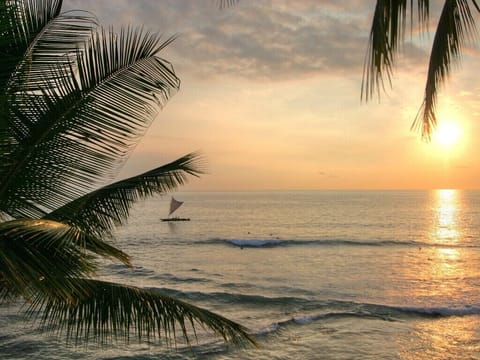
(455, 26)
(74, 101)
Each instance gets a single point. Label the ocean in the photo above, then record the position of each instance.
(312, 274)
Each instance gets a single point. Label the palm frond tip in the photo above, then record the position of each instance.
(100, 211)
(456, 26)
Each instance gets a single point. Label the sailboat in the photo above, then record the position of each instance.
(174, 205)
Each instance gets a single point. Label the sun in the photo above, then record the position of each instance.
(447, 134)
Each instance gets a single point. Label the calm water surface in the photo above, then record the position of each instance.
(314, 275)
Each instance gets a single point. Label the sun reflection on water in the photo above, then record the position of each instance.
(442, 338)
(447, 212)
(441, 276)
(437, 272)
(446, 260)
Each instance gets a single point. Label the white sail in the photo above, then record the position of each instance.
(174, 205)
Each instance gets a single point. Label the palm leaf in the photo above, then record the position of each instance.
(222, 4)
(35, 36)
(99, 211)
(386, 34)
(456, 25)
(113, 312)
(57, 44)
(18, 26)
(49, 42)
(42, 256)
(387, 29)
(78, 133)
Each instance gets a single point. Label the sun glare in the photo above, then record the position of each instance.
(447, 134)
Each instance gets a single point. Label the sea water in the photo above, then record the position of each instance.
(312, 274)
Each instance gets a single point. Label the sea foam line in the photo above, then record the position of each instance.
(392, 314)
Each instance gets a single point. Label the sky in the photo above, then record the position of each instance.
(270, 95)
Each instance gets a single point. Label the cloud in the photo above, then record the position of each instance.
(266, 43)
(262, 40)
(255, 40)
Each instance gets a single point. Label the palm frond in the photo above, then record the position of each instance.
(475, 4)
(42, 256)
(116, 312)
(35, 35)
(456, 25)
(423, 7)
(78, 133)
(222, 4)
(386, 35)
(387, 27)
(18, 26)
(99, 211)
(35, 38)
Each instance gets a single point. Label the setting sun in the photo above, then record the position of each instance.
(447, 134)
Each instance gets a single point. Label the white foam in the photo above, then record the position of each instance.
(302, 320)
(269, 329)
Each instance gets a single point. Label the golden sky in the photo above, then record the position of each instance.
(270, 95)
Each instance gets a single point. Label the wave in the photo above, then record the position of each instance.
(177, 279)
(314, 309)
(389, 313)
(308, 319)
(277, 242)
(121, 269)
(236, 298)
(256, 242)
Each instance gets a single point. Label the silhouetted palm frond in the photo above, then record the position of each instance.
(79, 130)
(43, 257)
(455, 26)
(112, 312)
(222, 4)
(99, 211)
(35, 37)
(386, 34)
(71, 111)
